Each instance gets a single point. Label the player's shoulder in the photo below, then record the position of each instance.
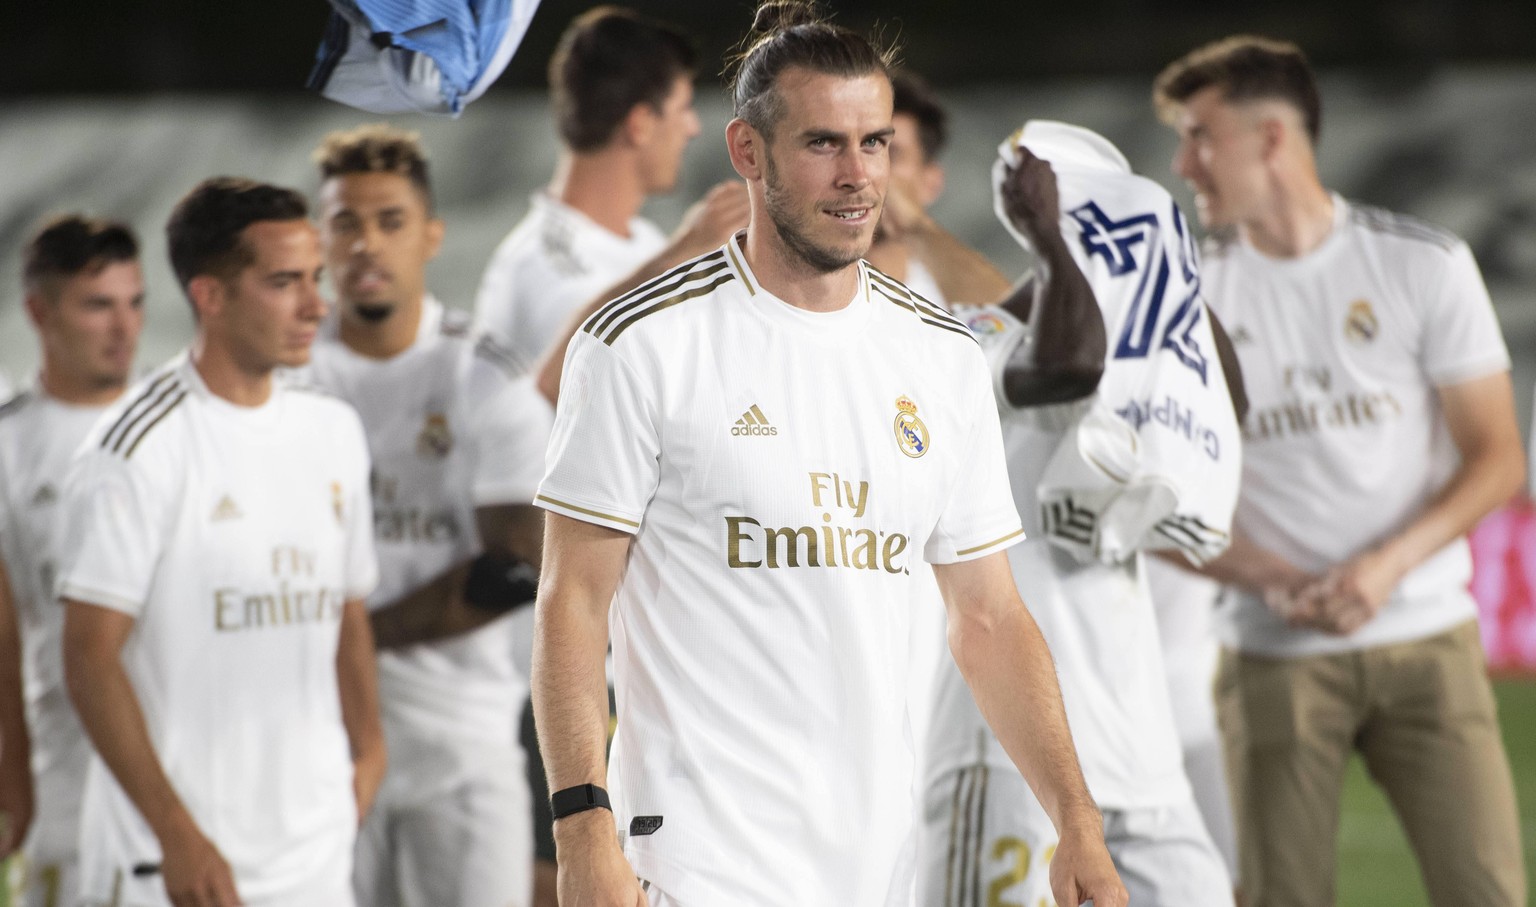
(915, 311)
(151, 415)
(647, 313)
(1393, 228)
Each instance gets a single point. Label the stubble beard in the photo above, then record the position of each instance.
(791, 230)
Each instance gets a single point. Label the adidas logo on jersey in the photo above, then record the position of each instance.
(226, 510)
(753, 422)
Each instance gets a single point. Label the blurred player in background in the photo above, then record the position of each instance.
(1084, 355)
(1382, 429)
(457, 447)
(85, 297)
(910, 245)
(216, 645)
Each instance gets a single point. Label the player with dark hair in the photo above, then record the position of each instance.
(910, 245)
(752, 451)
(85, 297)
(216, 645)
(622, 86)
(1381, 429)
(457, 447)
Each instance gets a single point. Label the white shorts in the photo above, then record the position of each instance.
(987, 841)
(468, 843)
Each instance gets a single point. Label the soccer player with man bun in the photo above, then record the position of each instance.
(85, 296)
(216, 646)
(759, 581)
(457, 447)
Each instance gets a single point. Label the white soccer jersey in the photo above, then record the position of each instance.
(448, 431)
(1097, 619)
(38, 436)
(555, 261)
(1342, 351)
(780, 471)
(233, 535)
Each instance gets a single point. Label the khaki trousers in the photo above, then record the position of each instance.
(1422, 716)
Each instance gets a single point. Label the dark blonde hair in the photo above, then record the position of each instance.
(1243, 68)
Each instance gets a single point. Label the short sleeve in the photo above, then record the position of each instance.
(1462, 340)
(362, 565)
(510, 425)
(117, 518)
(603, 463)
(978, 517)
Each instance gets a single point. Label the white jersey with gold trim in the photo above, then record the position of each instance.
(448, 430)
(38, 436)
(780, 471)
(1342, 353)
(554, 261)
(233, 536)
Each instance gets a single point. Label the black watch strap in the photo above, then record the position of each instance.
(578, 799)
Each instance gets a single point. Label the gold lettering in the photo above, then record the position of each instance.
(895, 544)
(865, 551)
(734, 537)
(816, 488)
(790, 537)
(221, 605)
(860, 501)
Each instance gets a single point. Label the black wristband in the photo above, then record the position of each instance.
(578, 799)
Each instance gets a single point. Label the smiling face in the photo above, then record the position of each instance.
(378, 237)
(1223, 156)
(89, 323)
(826, 167)
(268, 314)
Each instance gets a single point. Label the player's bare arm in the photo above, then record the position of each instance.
(358, 684)
(1066, 358)
(1481, 417)
(470, 595)
(1230, 367)
(1005, 662)
(583, 564)
(17, 800)
(194, 872)
(707, 224)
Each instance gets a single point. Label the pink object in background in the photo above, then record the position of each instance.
(1504, 584)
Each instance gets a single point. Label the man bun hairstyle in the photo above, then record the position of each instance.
(72, 244)
(789, 33)
(1243, 68)
(205, 227)
(376, 148)
(608, 60)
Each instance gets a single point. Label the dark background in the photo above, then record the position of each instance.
(52, 47)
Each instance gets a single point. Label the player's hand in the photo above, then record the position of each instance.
(1030, 199)
(1082, 871)
(17, 805)
(1355, 591)
(194, 872)
(901, 216)
(592, 871)
(713, 219)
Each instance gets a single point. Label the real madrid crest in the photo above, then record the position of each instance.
(911, 433)
(435, 439)
(1360, 325)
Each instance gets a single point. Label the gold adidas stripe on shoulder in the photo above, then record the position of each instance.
(911, 306)
(701, 281)
(923, 304)
(134, 411)
(656, 286)
(143, 433)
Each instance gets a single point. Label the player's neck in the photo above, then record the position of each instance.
(604, 185)
(1298, 219)
(76, 390)
(784, 274)
(384, 339)
(226, 377)
(891, 256)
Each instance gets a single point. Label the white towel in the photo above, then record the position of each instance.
(1155, 462)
